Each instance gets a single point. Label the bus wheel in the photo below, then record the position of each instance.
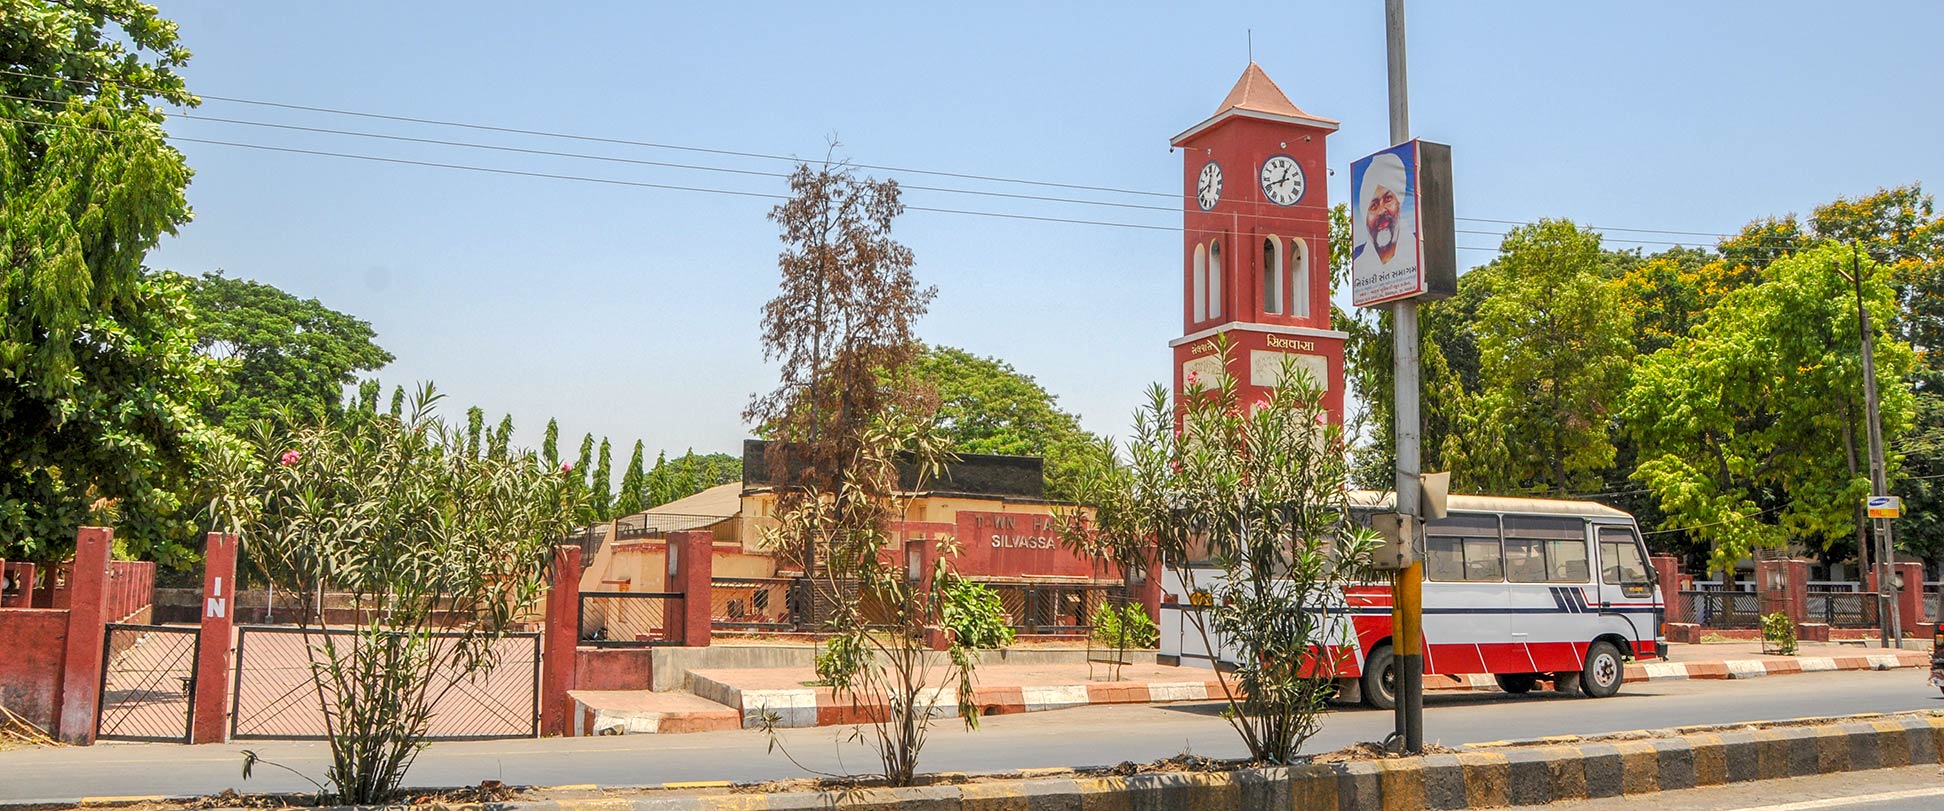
(1518, 683)
(1604, 671)
(1380, 679)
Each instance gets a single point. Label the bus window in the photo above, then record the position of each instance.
(1620, 561)
(1463, 548)
(1454, 559)
(1545, 550)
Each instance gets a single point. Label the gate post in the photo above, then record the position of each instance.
(562, 635)
(694, 568)
(86, 632)
(213, 644)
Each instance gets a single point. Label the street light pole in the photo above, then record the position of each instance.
(1407, 589)
(1890, 624)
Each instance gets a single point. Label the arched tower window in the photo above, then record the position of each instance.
(1200, 283)
(1272, 275)
(1299, 266)
(1215, 278)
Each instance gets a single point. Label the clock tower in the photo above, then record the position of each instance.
(1256, 245)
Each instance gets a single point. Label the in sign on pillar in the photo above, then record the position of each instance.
(216, 605)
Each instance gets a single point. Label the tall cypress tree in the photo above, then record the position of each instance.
(579, 481)
(628, 502)
(602, 498)
(658, 486)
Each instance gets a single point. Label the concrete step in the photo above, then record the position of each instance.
(641, 712)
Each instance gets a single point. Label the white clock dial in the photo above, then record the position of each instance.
(1282, 180)
(1208, 189)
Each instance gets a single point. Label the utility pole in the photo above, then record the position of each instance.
(1888, 620)
(1407, 590)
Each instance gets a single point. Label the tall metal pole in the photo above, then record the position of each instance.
(1407, 638)
(1888, 618)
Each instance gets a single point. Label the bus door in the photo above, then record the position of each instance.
(1466, 628)
(1550, 590)
(1626, 585)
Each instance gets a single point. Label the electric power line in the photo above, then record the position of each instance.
(608, 180)
(769, 156)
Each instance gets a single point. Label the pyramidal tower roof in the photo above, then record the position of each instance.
(1255, 95)
(1256, 91)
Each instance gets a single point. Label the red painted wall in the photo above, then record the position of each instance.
(612, 668)
(993, 544)
(33, 647)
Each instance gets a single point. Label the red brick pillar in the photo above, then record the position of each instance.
(213, 645)
(1784, 586)
(562, 636)
(1148, 590)
(87, 626)
(920, 561)
(1910, 598)
(691, 573)
(1667, 572)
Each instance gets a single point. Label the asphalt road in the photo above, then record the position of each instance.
(1077, 737)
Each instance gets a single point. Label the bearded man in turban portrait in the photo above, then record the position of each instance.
(1385, 228)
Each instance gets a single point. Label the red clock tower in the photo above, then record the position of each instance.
(1256, 245)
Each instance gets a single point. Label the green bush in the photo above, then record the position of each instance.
(1132, 619)
(975, 616)
(838, 659)
(1778, 634)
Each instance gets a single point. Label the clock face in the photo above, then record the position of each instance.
(1208, 190)
(1282, 180)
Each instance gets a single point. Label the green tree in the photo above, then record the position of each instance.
(987, 406)
(634, 485)
(550, 446)
(101, 389)
(689, 474)
(1448, 367)
(1746, 426)
(1553, 348)
(601, 489)
(401, 517)
(582, 478)
(1899, 228)
(1259, 494)
(289, 357)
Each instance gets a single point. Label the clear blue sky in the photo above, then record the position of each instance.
(632, 312)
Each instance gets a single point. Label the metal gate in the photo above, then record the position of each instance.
(276, 695)
(148, 682)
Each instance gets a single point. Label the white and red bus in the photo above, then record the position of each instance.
(1523, 589)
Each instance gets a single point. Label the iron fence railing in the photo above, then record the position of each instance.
(1844, 609)
(148, 682)
(1056, 608)
(756, 603)
(281, 685)
(629, 618)
(1721, 609)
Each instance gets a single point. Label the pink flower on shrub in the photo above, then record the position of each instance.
(566, 467)
(289, 458)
